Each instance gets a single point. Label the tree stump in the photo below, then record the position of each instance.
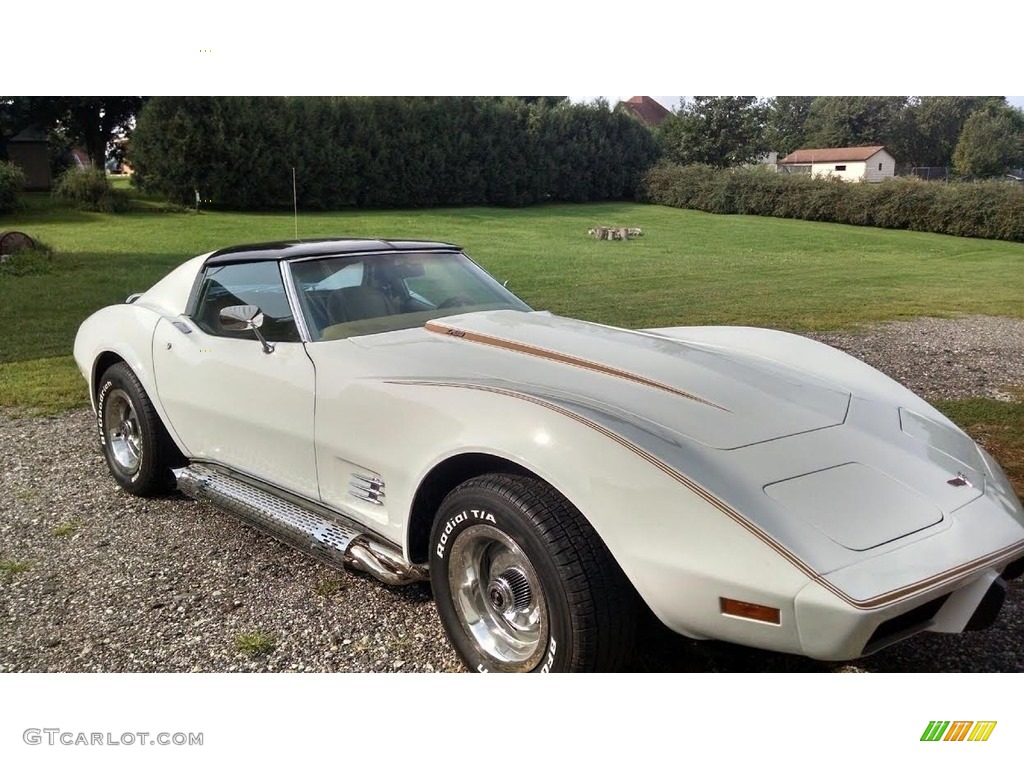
(614, 232)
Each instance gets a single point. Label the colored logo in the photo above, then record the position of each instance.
(958, 730)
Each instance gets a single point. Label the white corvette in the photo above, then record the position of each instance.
(389, 406)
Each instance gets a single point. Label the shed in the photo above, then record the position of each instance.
(30, 151)
(873, 163)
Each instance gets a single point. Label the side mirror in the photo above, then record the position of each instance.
(243, 317)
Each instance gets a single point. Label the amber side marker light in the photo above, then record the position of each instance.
(752, 611)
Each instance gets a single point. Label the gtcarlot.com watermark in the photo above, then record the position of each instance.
(56, 737)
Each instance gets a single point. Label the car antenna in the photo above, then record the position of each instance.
(295, 204)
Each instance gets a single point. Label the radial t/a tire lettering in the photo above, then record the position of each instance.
(138, 450)
(523, 583)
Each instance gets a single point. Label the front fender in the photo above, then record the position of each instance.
(679, 551)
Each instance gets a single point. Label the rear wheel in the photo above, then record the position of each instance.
(138, 450)
(524, 584)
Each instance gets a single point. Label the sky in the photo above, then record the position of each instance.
(672, 102)
(466, 47)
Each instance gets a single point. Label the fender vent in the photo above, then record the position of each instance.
(367, 487)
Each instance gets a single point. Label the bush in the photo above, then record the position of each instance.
(681, 186)
(12, 182)
(755, 191)
(89, 190)
(37, 260)
(382, 152)
(991, 210)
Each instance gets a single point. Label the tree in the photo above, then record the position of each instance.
(992, 140)
(717, 130)
(785, 121)
(545, 101)
(87, 120)
(93, 120)
(850, 121)
(14, 118)
(386, 151)
(933, 124)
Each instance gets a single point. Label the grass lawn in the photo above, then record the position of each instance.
(689, 268)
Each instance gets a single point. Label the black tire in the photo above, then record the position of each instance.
(140, 455)
(515, 568)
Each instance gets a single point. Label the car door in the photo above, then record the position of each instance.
(229, 400)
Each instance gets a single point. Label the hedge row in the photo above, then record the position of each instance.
(238, 152)
(12, 182)
(992, 210)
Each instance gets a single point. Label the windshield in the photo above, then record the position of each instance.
(344, 296)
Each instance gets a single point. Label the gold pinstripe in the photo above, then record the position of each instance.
(561, 357)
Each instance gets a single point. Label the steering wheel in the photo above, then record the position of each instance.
(456, 301)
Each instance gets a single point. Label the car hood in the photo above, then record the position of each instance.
(718, 398)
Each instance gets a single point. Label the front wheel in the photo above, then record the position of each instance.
(523, 583)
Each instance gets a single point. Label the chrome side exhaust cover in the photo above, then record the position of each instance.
(318, 532)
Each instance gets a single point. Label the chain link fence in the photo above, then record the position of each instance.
(932, 173)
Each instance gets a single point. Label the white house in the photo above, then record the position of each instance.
(847, 163)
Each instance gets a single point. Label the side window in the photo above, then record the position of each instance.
(257, 283)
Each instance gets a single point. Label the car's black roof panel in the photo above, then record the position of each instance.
(297, 249)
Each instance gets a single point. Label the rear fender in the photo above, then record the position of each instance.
(125, 330)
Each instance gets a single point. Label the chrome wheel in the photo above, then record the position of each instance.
(122, 431)
(498, 598)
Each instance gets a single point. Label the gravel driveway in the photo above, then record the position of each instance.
(113, 583)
